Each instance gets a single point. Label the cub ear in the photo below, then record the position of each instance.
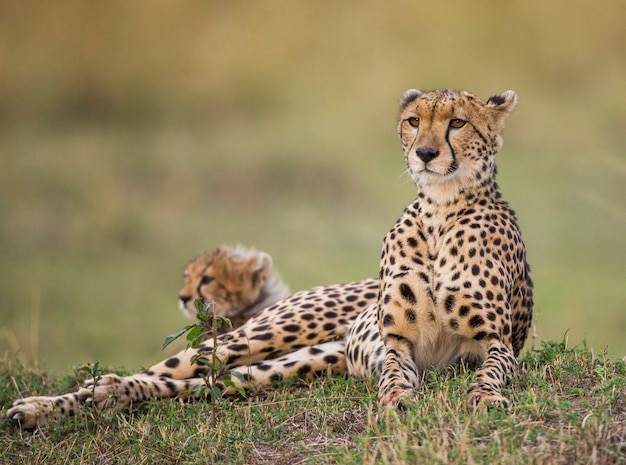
(259, 268)
(408, 96)
(504, 102)
(262, 262)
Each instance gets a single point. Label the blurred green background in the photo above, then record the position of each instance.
(133, 135)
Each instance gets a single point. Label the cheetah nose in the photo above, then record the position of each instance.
(183, 299)
(427, 154)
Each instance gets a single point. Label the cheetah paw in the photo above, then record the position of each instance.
(394, 398)
(30, 412)
(103, 392)
(480, 398)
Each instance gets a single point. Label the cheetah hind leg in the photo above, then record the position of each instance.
(306, 363)
(111, 390)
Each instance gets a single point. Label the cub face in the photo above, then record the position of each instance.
(451, 137)
(230, 278)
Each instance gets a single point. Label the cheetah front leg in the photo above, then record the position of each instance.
(399, 376)
(403, 324)
(492, 375)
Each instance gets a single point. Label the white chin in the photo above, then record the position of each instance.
(425, 176)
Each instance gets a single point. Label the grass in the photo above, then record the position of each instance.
(568, 405)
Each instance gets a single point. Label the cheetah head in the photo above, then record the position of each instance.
(240, 282)
(450, 138)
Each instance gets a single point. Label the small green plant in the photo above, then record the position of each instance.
(93, 371)
(208, 326)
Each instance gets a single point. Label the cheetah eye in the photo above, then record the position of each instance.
(457, 123)
(413, 121)
(206, 279)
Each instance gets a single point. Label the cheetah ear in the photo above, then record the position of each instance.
(254, 260)
(260, 266)
(263, 262)
(504, 102)
(408, 96)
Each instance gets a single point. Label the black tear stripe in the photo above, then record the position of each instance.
(453, 166)
(406, 146)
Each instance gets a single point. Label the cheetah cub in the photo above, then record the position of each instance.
(454, 282)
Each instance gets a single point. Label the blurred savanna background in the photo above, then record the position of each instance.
(134, 135)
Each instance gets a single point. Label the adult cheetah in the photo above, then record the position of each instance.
(454, 282)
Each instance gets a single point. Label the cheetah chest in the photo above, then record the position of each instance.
(432, 289)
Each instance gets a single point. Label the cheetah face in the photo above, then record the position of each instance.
(451, 137)
(230, 278)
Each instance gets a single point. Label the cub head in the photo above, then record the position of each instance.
(232, 278)
(451, 138)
